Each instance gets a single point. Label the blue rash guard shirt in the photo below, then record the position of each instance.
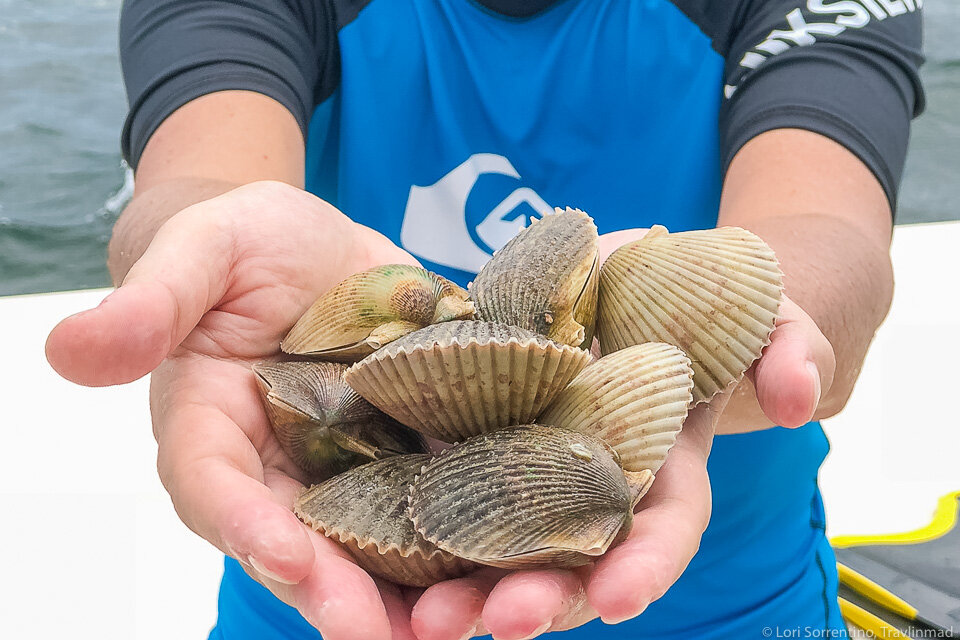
(448, 125)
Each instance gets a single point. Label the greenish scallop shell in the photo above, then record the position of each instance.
(324, 425)
(459, 379)
(524, 497)
(714, 293)
(545, 279)
(635, 400)
(365, 509)
(373, 307)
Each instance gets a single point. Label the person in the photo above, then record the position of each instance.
(282, 145)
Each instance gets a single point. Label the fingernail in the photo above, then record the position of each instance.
(266, 573)
(629, 616)
(815, 372)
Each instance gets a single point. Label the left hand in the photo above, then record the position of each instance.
(667, 527)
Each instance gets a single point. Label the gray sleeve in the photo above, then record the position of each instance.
(173, 51)
(846, 69)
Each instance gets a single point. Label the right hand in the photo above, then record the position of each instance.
(215, 291)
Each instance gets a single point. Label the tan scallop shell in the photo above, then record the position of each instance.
(524, 497)
(324, 425)
(365, 509)
(545, 279)
(635, 400)
(713, 293)
(373, 307)
(458, 379)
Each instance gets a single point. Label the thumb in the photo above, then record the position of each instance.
(795, 370)
(183, 273)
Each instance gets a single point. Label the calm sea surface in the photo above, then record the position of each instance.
(62, 106)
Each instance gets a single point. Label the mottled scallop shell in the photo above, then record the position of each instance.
(713, 293)
(528, 496)
(365, 509)
(545, 279)
(635, 400)
(324, 425)
(373, 307)
(458, 379)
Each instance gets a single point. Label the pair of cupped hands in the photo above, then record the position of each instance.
(218, 287)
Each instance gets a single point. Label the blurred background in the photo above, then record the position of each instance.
(63, 183)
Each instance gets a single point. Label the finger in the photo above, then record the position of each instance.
(341, 600)
(397, 610)
(452, 610)
(215, 478)
(526, 604)
(665, 535)
(796, 369)
(182, 274)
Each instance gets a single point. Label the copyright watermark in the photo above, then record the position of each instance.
(912, 632)
(801, 632)
(816, 632)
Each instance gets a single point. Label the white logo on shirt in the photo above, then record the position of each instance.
(435, 220)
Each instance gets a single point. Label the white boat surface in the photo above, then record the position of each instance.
(94, 549)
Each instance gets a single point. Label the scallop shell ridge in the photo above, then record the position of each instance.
(714, 293)
(365, 510)
(635, 400)
(373, 307)
(528, 496)
(544, 279)
(459, 379)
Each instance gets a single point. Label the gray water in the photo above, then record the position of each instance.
(62, 106)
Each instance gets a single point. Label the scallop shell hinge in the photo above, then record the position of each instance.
(374, 307)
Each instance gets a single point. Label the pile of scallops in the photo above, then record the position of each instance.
(548, 448)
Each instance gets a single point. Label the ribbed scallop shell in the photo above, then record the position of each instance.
(545, 279)
(324, 425)
(459, 379)
(713, 293)
(528, 496)
(373, 307)
(365, 509)
(635, 400)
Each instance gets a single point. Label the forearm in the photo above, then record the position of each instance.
(828, 220)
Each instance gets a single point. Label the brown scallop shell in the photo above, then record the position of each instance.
(545, 279)
(324, 425)
(714, 293)
(523, 497)
(365, 509)
(459, 379)
(635, 400)
(373, 307)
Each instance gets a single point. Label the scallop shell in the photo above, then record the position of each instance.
(324, 425)
(713, 293)
(373, 307)
(365, 509)
(524, 497)
(635, 400)
(458, 379)
(545, 279)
